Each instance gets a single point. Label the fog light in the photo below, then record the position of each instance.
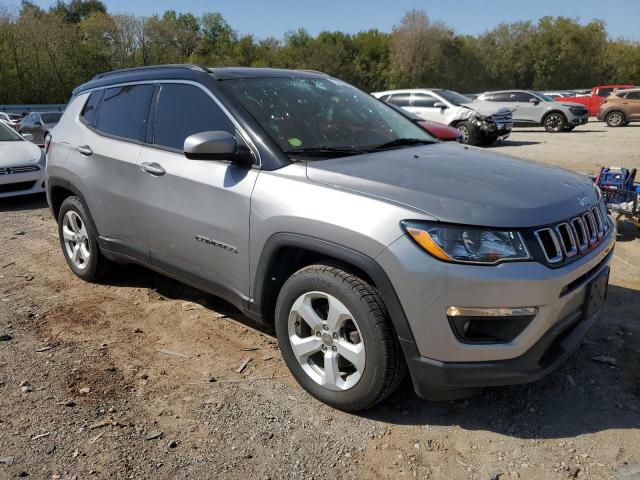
(489, 325)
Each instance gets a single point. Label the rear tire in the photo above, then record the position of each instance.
(336, 338)
(79, 241)
(615, 119)
(468, 131)
(554, 122)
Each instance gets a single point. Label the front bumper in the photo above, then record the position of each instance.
(438, 361)
(578, 119)
(490, 131)
(21, 183)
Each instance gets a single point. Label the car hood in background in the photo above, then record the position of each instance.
(464, 185)
(18, 153)
(487, 108)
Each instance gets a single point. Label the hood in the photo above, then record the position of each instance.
(18, 153)
(459, 184)
(487, 108)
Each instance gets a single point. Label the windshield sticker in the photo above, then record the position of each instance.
(295, 142)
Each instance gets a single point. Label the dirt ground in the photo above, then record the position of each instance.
(139, 377)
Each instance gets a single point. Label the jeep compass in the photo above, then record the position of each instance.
(372, 248)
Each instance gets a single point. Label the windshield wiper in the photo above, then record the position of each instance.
(326, 151)
(402, 142)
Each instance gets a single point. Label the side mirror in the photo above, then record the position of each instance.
(28, 137)
(534, 101)
(439, 105)
(216, 145)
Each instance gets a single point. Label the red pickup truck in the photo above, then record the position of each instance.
(593, 101)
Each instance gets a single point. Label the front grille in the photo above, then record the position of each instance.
(21, 169)
(575, 236)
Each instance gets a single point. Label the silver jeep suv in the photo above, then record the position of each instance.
(310, 205)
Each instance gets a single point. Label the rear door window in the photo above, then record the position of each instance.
(633, 96)
(124, 111)
(183, 110)
(400, 99)
(500, 97)
(424, 100)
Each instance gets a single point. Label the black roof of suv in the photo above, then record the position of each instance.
(188, 72)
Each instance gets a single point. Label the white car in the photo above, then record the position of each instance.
(10, 119)
(21, 164)
(478, 122)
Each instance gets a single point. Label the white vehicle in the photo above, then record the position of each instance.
(10, 119)
(21, 164)
(479, 123)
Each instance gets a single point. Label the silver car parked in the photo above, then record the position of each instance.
(371, 247)
(535, 108)
(39, 124)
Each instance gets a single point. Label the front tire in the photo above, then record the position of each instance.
(79, 241)
(615, 119)
(554, 122)
(336, 338)
(468, 131)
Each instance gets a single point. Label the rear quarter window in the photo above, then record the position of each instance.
(124, 111)
(90, 109)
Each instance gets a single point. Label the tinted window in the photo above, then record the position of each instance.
(500, 97)
(91, 107)
(53, 117)
(633, 95)
(400, 99)
(184, 110)
(424, 100)
(604, 92)
(522, 97)
(124, 111)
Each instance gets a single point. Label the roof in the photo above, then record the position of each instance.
(189, 72)
(229, 73)
(627, 90)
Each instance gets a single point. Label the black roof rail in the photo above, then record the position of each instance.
(151, 67)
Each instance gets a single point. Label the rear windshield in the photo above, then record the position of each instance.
(7, 134)
(321, 112)
(51, 117)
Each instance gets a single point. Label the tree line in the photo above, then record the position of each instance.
(44, 54)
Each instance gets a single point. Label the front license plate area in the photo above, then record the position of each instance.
(596, 293)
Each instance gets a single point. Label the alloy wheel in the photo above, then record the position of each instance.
(615, 119)
(553, 122)
(465, 133)
(76, 239)
(326, 341)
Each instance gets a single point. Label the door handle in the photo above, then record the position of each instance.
(153, 169)
(84, 150)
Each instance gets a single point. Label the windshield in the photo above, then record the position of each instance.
(7, 134)
(322, 113)
(453, 97)
(53, 117)
(543, 97)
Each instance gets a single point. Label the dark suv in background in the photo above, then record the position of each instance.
(314, 207)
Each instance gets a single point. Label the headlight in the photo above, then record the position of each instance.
(459, 244)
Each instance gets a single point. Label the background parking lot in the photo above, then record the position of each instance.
(144, 377)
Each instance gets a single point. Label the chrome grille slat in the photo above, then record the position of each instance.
(575, 236)
(552, 256)
(20, 169)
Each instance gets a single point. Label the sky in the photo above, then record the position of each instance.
(265, 18)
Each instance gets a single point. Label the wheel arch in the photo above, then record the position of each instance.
(58, 189)
(555, 110)
(285, 253)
